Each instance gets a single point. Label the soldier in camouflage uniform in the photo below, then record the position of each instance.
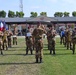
(1, 42)
(48, 38)
(68, 38)
(15, 37)
(38, 42)
(65, 41)
(5, 40)
(15, 33)
(9, 38)
(29, 42)
(74, 39)
(51, 35)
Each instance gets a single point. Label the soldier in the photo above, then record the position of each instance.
(74, 39)
(5, 41)
(15, 33)
(68, 38)
(1, 42)
(62, 36)
(29, 42)
(48, 38)
(9, 38)
(65, 41)
(51, 35)
(15, 38)
(37, 34)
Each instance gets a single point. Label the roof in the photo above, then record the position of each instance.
(15, 20)
(65, 19)
(42, 19)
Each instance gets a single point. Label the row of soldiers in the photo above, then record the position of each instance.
(68, 38)
(35, 41)
(5, 40)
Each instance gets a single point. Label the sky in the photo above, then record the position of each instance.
(49, 6)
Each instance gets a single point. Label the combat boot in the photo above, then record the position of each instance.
(53, 52)
(1, 52)
(36, 60)
(50, 51)
(16, 42)
(41, 60)
(26, 50)
(31, 51)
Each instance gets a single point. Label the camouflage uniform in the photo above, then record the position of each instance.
(74, 40)
(29, 44)
(9, 38)
(15, 37)
(65, 41)
(1, 41)
(14, 40)
(51, 36)
(68, 38)
(48, 38)
(5, 41)
(38, 43)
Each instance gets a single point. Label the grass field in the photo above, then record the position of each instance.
(15, 62)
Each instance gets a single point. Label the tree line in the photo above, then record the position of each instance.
(13, 14)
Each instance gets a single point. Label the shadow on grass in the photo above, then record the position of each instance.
(18, 54)
(64, 54)
(61, 49)
(46, 53)
(18, 63)
(16, 50)
(58, 54)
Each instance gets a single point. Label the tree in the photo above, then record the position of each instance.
(43, 14)
(11, 14)
(74, 13)
(66, 14)
(33, 14)
(58, 14)
(17, 14)
(21, 14)
(2, 14)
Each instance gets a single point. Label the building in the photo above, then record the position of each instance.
(23, 23)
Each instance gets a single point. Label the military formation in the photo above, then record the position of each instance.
(5, 40)
(68, 38)
(34, 40)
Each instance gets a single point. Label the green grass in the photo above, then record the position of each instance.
(14, 61)
(63, 63)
